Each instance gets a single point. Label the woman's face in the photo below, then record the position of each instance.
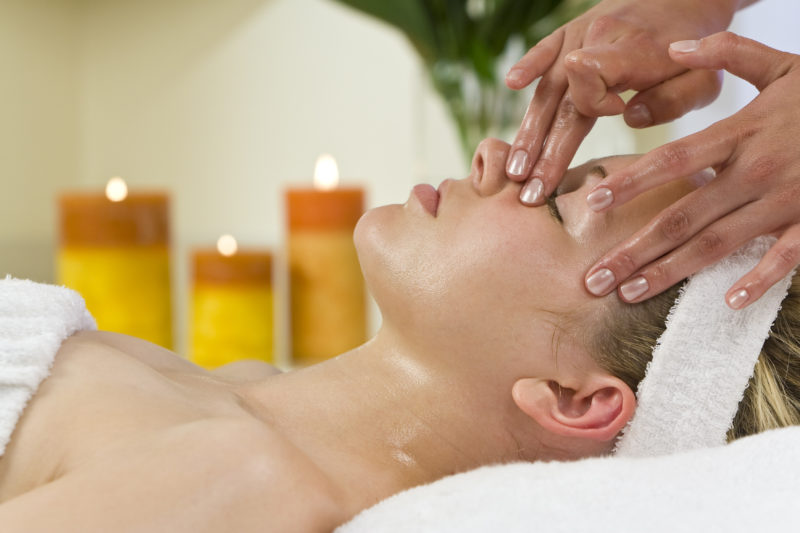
(472, 269)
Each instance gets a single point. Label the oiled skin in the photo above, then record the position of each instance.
(125, 436)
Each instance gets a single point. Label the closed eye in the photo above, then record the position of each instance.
(552, 207)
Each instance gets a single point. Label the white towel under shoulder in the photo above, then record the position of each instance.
(34, 321)
(749, 485)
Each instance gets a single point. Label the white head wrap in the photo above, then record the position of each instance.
(703, 361)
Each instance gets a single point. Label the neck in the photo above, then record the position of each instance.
(383, 418)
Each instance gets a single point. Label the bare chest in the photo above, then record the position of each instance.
(100, 400)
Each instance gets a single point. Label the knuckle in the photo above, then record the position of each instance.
(787, 198)
(623, 264)
(788, 256)
(675, 225)
(675, 156)
(568, 107)
(727, 40)
(546, 86)
(580, 62)
(600, 27)
(657, 275)
(761, 170)
(623, 185)
(709, 244)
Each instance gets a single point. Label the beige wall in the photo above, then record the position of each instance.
(39, 133)
(224, 103)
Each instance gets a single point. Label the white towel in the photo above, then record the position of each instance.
(703, 361)
(34, 321)
(751, 485)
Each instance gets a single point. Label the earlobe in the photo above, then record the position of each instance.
(598, 410)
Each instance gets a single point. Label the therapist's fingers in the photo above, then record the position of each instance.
(536, 61)
(708, 246)
(567, 131)
(777, 263)
(593, 75)
(670, 229)
(597, 73)
(673, 98)
(711, 147)
(538, 117)
(748, 59)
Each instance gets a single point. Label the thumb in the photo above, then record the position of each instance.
(748, 59)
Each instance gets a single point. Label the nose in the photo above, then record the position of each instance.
(488, 172)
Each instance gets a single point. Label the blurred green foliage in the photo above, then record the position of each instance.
(465, 43)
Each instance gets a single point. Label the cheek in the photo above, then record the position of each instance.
(510, 262)
(480, 275)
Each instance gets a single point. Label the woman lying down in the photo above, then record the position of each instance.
(490, 351)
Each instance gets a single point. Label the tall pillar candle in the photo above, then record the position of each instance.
(232, 305)
(114, 252)
(326, 287)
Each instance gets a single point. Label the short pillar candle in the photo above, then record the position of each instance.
(114, 250)
(232, 305)
(326, 287)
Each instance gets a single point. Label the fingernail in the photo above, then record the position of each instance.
(600, 282)
(515, 75)
(685, 46)
(698, 179)
(738, 299)
(518, 162)
(531, 193)
(639, 116)
(600, 198)
(634, 288)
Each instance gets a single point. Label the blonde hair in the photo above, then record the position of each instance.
(623, 343)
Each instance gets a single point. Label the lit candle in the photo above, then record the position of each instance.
(326, 287)
(114, 251)
(231, 305)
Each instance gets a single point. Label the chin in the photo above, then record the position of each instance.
(372, 241)
(385, 242)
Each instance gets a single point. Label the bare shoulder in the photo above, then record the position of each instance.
(247, 370)
(203, 476)
(146, 352)
(165, 360)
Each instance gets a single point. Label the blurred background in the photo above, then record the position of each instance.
(226, 103)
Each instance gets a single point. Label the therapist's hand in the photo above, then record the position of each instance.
(616, 45)
(756, 191)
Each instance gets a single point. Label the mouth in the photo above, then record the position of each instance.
(428, 197)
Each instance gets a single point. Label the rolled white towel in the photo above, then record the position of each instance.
(34, 321)
(750, 485)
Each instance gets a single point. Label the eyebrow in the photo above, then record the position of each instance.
(598, 169)
(553, 208)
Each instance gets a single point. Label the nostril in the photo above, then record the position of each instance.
(477, 170)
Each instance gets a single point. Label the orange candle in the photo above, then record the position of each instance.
(231, 305)
(114, 252)
(326, 287)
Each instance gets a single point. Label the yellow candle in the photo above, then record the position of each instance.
(326, 287)
(231, 305)
(114, 251)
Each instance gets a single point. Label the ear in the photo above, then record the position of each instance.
(598, 410)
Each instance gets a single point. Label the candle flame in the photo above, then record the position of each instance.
(116, 189)
(326, 173)
(226, 245)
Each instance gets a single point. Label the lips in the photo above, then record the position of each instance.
(428, 197)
